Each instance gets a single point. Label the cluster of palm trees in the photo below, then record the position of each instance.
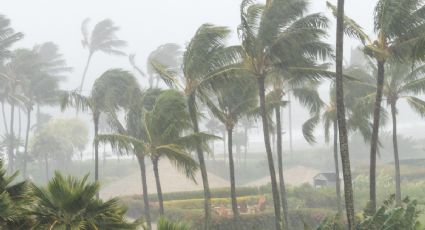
(282, 52)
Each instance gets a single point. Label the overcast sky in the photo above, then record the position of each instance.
(145, 25)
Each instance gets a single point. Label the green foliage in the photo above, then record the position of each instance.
(164, 224)
(391, 217)
(71, 203)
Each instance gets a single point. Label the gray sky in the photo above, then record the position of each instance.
(146, 25)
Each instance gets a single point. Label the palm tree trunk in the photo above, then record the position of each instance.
(232, 178)
(96, 149)
(202, 166)
(283, 198)
(83, 78)
(336, 160)
(4, 117)
(375, 136)
(141, 160)
(158, 186)
(246, 143)
(224, 147)
(343, 135)
(290, 124)
(27, 134)
(19, 124)
(396, 156)
(38, 117)
(10, 152)
(68, 227)
(266, 133)
(46, 165)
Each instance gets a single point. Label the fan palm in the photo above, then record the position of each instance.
(101, 39)
(205, 59)
(398, 26)
(69, 203)
(110, 91)
(279, 38)
(164, 224)
(12, 201)
(234, 100)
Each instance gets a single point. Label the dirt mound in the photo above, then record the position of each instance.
(171, 181)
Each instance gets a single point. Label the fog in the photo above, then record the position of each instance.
(146, 25)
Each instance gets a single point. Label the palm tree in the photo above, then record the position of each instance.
(42, 85)
(205, 59)
(278, 38)
(12, 200)
(234, 100)
(399, 33)
(7, 38)
(162, 130)
(69, 203)
(169, 55)
(110, 91)
(343, 136)
(101, 39)
(164, 224)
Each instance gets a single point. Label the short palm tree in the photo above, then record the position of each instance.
(112, 90)
(13, 213)
(398, 26)
(69, 203)
(205, 59)
(164, 224)
(233, 100)
(101, 39)
(278, 38)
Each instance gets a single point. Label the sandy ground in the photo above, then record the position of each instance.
(173, 181)
(294, 176)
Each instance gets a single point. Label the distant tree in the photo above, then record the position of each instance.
(169, 55)
(110, 91)
(233, 100)
(101, 39)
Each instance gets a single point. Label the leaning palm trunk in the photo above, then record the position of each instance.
(96, 149)
(27, 134)
(83, 78)
(396, 156)
(10, 151)
(343, 136)
(283, 198)
(336, 160)
(375, 135)
(141, 160)
(275, 190)
(290, 124)
(202, 166)
(158, 186)
(232, 178)
(4, 117)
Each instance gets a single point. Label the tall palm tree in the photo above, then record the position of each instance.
(278, 38)
(358, 120)
(342, 128)
(41, 86)
(234, 100)
(112, 90)
(69, 203)
(398, 25)
(102, 38)
(8, 37)
(205, 59)
(162, 136)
